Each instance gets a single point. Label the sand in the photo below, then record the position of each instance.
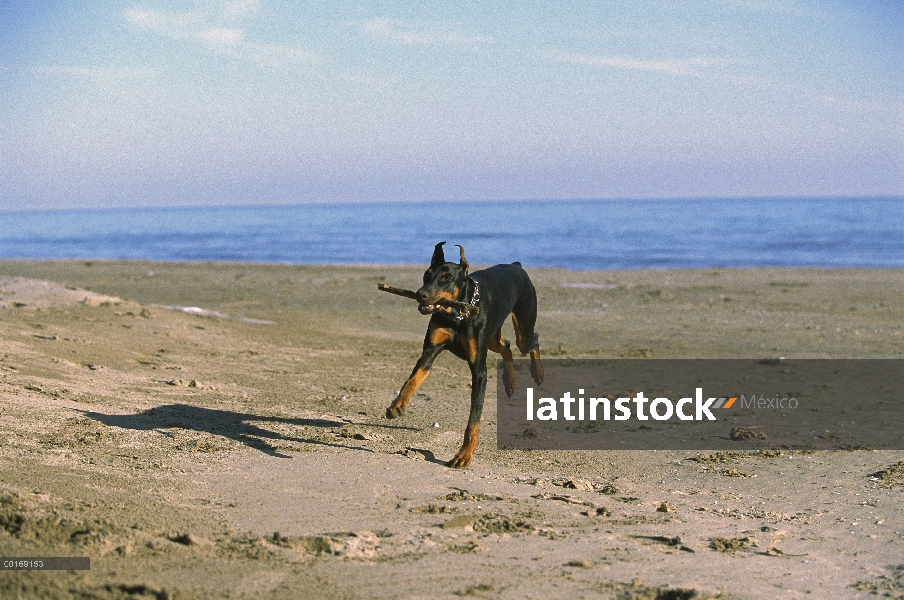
(218, 430)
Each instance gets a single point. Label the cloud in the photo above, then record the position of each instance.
(178, 25)
(275, 55)
(686, 67)
(767, 6)
(219, 36)
(701, 68)
(240, 8)
(893, 108)
(411, 34)
(215, 25)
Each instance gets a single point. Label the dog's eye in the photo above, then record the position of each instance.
(446, 278)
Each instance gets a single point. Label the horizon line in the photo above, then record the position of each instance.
(340, 203)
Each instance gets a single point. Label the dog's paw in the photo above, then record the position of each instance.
(508, 378)
(394, 412)
(536, 371)
(461, 461)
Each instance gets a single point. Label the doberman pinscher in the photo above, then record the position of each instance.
(498, 292)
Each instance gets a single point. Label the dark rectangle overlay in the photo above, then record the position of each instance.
(46, 563)
(704, 404)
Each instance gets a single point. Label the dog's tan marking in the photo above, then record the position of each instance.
(498, 345)
(400, 404)
(463, 458)
(446, 295)
(437, 334)
(519, 339)
(470, 346)
(536, 369)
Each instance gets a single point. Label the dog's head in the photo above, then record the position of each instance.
(442, 280)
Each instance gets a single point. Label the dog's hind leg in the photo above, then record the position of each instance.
(524, 317)
(536, 369)
(522, 334)
(498, 345)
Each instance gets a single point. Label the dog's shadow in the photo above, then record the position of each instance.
(236, 426)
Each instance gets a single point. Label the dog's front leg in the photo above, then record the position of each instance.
(478, 366)
(417, 377)
(434, 342)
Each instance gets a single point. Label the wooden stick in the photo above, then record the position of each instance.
(397, 291)
(464, 307)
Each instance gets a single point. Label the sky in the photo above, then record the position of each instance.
(234, 102)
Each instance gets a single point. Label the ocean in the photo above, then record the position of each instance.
(603, 234)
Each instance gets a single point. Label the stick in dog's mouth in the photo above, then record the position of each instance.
(441, 305)
(433, 308)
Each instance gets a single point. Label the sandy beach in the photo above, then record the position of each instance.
(218, 431)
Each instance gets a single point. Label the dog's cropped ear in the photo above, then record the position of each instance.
(438, 256)
(462, 262)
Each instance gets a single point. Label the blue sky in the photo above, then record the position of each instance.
(165, 103)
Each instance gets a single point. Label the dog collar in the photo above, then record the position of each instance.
(475, 298)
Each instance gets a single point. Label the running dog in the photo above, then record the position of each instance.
(496, 292)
